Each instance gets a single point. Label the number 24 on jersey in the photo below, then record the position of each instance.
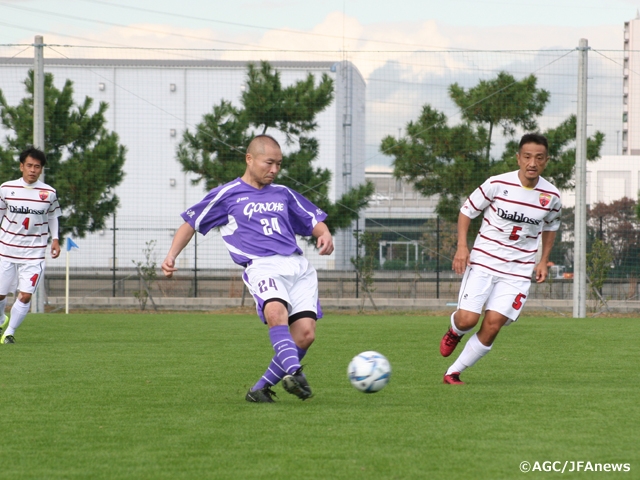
(268, 227)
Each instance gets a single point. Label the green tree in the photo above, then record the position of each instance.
(365, 264)
(84, 159)
(562, 153)
(147, 273)
(215, 151)
(516, 103)
(617, 225)
(451, 161)
(598, 266)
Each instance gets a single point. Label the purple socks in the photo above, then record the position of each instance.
(285, 361)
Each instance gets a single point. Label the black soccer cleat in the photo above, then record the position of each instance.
(262, 395)
(297, 385)
(7, 339)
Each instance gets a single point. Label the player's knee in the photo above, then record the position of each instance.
(465, 320)
(306, 341)
(490, 328)
(303, 332)
(275, 313)
(305, 337)
(24, 297)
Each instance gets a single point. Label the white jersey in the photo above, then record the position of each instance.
(24, 228)
(514, 219)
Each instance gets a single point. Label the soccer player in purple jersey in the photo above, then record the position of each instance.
(259, 221)
(520, 210)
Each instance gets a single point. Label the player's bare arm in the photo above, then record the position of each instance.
(541, 270)
(55, 248)
(461, 258)
(324, 239)
(180, 240)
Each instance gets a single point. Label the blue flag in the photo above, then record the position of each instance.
(71, 244)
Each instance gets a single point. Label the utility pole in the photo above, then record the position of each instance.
(37, 304)
(580, 235)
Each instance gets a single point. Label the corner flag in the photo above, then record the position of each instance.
(71, 244)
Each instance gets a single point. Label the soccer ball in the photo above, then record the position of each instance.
(369, 372)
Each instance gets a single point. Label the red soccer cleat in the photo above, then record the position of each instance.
(449, 342)
(453, 379)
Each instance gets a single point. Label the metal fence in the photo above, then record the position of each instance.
(154, 96)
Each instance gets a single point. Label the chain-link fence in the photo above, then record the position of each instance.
(170, 116)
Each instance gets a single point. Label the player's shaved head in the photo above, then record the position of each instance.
(264, 160)
(259, 142)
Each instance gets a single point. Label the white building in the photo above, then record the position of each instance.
(151, 103)
(609, 178)
(631, 88)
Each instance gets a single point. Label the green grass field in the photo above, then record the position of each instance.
(143, 396)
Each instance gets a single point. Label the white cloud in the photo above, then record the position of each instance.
(398, 60)
(533, 37)
(336, 32)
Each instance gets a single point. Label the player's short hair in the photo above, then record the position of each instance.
(534, 138)
(35, 154)
(258, 142)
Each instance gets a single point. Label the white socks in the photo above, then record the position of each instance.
(18, 312)
(456, 329)
(473, 351)
(3, 305)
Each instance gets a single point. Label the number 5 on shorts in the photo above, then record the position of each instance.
(517, 303)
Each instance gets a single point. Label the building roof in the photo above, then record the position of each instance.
(138, 63)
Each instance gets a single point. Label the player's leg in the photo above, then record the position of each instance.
(475, 348)
(8, 275)
(268, 280)
(277, 317)
(303, 333)
(490, 327)
(305, 310)
(4, 318)
(29, 276)
(305, 306)
(503, 307)
(474, 291)
(462, 322)
(19, 311)
(274, 312)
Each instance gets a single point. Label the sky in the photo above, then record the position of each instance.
(392, 43)
(330, 24)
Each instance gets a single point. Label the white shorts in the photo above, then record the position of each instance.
(291, 279)
(503, 295)
(23, 276)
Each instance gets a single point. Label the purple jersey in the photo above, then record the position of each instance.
(255, 223)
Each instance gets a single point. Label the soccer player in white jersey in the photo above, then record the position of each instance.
(259, 221)
(30, 214)
(520, 209)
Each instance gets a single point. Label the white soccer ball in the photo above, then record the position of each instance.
(369, 372)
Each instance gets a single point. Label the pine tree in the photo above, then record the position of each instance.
(84, 159)
(215, 151)
(452, 161)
